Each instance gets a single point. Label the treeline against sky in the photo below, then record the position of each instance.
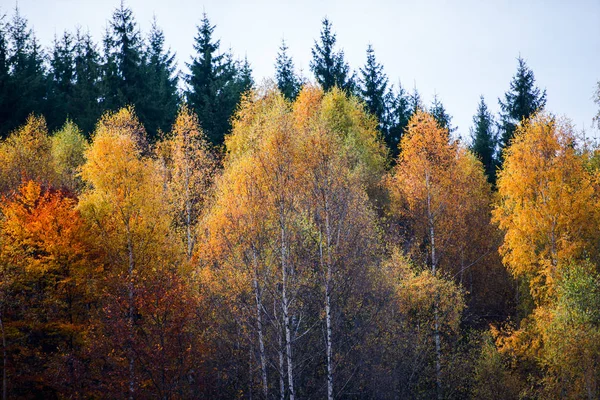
(287, 240)
(78, 79)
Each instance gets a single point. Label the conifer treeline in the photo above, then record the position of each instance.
(79, 79)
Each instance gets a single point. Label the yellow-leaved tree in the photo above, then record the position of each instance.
(548, 211)
(439, 192)
(26, 155)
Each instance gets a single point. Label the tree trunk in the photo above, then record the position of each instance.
(280, 353)
(4, 375)
(286, 316)
(259, 327)
(436, 331)
(130, 316)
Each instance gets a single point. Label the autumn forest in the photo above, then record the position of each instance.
(169, 235)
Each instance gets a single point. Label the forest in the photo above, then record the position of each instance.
(170, 235)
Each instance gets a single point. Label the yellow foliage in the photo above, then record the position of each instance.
(26, 155)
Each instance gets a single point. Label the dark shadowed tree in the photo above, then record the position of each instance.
(373, 88)
(287, 81)
(212, 88)
(329, 66)
(162, 97)
(521, 101)
(484, 139)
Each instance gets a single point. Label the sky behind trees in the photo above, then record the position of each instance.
(458, 51)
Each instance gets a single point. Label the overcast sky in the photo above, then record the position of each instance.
(457, 49)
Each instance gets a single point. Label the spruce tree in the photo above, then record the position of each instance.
(124, 79)
(329, 67)
(244, 76)
(401, 111)
(27, 83)
(287, 81)
(484, 140)
(414, 101)
(61, 82)
(86, 89)
(212, 89)
(438, 111)
(373, 88)
(162, 97)
(5, 83)
(521, 101)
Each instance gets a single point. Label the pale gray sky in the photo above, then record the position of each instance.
(457, 49)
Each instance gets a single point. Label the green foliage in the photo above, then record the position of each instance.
(484, 141)
(287, 81)
(215, 84)
(328, 66)
(520, 102)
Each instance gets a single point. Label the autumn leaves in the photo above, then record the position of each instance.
(298, 263)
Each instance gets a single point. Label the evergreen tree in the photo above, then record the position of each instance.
(86, 90)
(414, 101)
(438, 111)
(212, 90)
(401, 112)
(521, 101)
(373, 88)
(27, 87)
(329, 66)
(5, 83)
(162, 97)
(124, 77)
(61, 82)
(244, 78)
(287, 81)
(484, 139)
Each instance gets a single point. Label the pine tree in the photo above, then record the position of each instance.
(438, 111)
(329, 67)
(521, 101)
(484, 139)
(373, 88)
(162, 97)
(287, 81)
(212, 90)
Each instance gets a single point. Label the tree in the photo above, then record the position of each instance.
(124, 204)
(287, 81)
(436, 188)
(28, 79)
(45, 257)
(484, 141)
(543, 177)
(26, 155)
(414, 101)
(162, 97)
(68, 148)
(520, 102)
(373, 88)
(62, 79)
(192, 169)
(438, 111)
(400, 114)
(547, 210)
(329, 66)
(86, 89)
(212, 91)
